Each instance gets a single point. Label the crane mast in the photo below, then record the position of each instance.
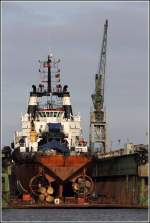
(97, 116)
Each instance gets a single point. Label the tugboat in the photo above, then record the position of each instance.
(51, 157)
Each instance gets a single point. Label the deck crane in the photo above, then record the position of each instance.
(97, 139)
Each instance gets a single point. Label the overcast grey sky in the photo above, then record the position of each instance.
(73, 31)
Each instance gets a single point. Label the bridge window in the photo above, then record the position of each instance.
(44, 114)
(51, 114)
(40, 114)
(55, 114)
(47, 114)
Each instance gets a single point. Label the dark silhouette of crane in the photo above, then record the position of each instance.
(97, 116)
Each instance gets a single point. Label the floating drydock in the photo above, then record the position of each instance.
(119, 181)
(50, 165)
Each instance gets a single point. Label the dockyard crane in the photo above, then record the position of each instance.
(97, 116)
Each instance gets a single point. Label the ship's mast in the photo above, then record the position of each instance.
(49, 75)
(97, 117)
(56, 95)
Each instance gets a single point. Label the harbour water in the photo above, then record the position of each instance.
(68, 215)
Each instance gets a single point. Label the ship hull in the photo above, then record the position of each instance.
(118, 182)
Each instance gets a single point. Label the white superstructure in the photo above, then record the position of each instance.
(52, 121)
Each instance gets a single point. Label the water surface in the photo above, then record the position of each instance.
(68, 215)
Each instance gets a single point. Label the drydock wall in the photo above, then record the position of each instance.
(120, 180)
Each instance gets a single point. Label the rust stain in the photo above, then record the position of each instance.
(64, 167)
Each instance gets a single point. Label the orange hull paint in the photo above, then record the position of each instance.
(64, 166)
